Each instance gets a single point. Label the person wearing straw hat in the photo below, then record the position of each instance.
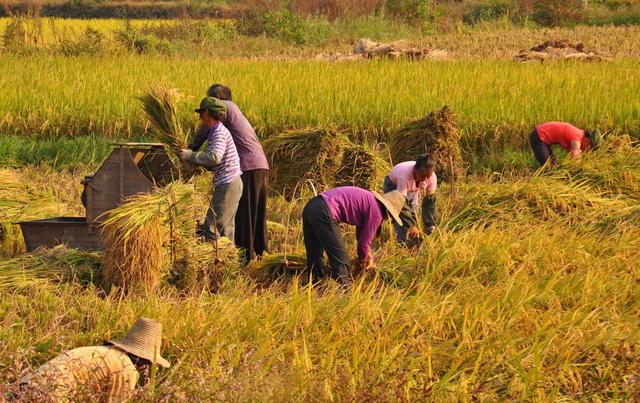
(351, 205)
(109, 372)
(221, 156)
(569, 137)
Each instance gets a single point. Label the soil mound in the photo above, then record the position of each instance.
(560, 49)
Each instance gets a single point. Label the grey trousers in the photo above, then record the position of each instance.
(221, 215)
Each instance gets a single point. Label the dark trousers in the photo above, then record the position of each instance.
(321, 234)
(542, 151)
(251, 219)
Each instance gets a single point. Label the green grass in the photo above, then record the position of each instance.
(490, 97)
(62, 152)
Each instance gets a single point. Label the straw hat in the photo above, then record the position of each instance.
(144, 341)
(393, 201)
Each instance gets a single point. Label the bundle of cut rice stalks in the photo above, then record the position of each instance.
(143, 236)
(436, 134)
(301, 156)
(22, 198)
(59, 264)
(159, 104)
(151, 239)
(275, 266)
(361, 166)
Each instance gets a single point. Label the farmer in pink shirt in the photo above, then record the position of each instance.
(569, 137)
(414, 179)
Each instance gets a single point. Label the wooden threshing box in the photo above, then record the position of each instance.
(131, 168)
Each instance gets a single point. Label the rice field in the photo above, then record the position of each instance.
(528, 290)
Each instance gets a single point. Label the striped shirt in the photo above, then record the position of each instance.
(222, 147)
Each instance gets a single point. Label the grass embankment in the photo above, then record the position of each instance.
(529, 290)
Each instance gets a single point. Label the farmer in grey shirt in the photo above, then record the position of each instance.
(251, 220)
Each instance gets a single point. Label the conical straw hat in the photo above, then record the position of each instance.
(393, 201)
(144, 340)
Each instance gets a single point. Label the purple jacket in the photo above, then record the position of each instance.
(249, 148)
(359, 207)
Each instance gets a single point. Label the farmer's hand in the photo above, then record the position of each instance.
(184, 154)
(367, 263)
(413, 233)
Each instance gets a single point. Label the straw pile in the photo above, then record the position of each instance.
(436, 134)
(560, 49)
(59, 264)
(361, 167)
(308, 155)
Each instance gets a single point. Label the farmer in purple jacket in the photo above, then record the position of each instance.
(251, 220)
(352, 205)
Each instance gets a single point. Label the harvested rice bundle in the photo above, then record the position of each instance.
(22, 199)
(361, 167)
(529, 201)
(436, 134)
(274, 266)
(297, 156)
(160, 108)
(59, 264)
(145, 235)
(211, 265)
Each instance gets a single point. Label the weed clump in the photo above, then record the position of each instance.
(436, 134)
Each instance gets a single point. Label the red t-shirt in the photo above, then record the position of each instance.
(559, 133)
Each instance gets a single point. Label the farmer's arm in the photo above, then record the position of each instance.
(209, 158)
(575, 149)
(365, 234)
(199, 138)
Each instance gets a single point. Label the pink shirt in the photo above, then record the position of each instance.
(560, 133)
(402, 176)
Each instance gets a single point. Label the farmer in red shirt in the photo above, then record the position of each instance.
(569, 137)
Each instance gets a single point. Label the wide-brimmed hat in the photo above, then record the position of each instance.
(393, 201)
(143, 340)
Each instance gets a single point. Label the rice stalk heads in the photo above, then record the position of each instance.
(159, 104)
(59, 264)
(298, 156)
(361, 166)
(273, 266)
(436, 134)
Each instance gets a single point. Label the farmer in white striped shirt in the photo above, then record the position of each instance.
(222, 158)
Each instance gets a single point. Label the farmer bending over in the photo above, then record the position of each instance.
(569, 137)
(352, 205)
(99, 373)
(251, 220)
(413, 179)
(222, 158)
